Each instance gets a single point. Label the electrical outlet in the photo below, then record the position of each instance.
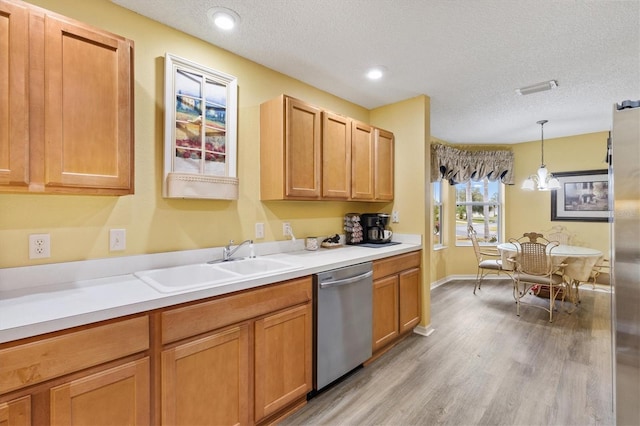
(286, 229)
(39, 246)
(395, 217)
(117, 239)
(259, 231)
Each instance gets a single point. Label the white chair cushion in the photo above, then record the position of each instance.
(491, 264)
(528, 278)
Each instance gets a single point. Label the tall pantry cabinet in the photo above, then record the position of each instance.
(66, 105)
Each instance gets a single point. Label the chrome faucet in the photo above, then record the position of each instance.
(227, 252)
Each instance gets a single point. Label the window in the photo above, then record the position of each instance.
(479, 204)
(436, 190)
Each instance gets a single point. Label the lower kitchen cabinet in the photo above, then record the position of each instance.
(396, 298)
(16, 412)
(244, 358)
(118, 396)
(206, 381)
(385, 311)
(98, 374)
(283, 359)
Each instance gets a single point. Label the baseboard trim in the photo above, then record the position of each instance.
(424, 331)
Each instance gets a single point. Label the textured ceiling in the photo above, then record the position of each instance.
(469, 56)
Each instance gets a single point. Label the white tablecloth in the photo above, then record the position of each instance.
(580, 260)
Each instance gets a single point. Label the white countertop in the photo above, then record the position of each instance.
(45, 298)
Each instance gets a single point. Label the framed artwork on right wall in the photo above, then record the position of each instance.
(583, 196)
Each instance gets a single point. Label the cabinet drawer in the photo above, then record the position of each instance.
(395, 264)
(36, 362)
(202, 317)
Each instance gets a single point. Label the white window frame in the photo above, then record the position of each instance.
(498, 206)
(437, 189)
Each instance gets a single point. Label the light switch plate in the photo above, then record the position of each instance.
(117, 239)
(395, 217)
(259, 231)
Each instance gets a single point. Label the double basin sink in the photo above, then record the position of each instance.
(199, 275)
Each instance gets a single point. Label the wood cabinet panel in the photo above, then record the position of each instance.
(14, 105)
(302, 152)
(395, 264)
(409, 295)
(336, 156)
(45, 359)
(362, 161)
(88, 112)
(290, 132)
(191, 320)
(384, 161)
(283, 359)
(385, 311)
(66, 105)
(16, 412)
(206, 382)
(118, 395)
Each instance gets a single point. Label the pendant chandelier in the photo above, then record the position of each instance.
(542, 180)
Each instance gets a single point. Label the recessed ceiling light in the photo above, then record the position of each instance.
(223, 18)
(376, 73)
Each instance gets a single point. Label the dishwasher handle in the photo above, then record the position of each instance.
(345, 281)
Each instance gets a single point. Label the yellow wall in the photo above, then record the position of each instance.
(79, 225)
(531, 211)
(410, 121)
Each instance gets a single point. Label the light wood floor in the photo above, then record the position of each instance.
(483, 365)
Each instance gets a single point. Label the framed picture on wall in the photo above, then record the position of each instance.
(583, 196)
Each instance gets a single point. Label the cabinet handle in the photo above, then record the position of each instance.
(345, 281)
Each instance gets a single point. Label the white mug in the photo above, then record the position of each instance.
(387, 234)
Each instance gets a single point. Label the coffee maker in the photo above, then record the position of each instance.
(374, 228)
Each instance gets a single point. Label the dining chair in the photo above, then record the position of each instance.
(534, 270)
(560, 234)
(489, 260)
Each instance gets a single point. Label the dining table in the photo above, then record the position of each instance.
(578, 260)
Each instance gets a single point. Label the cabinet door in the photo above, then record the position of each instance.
(336, 156)
(206, 382)
(117, 396)
(16, 412)
(14, 105)
(384, 165)
(283, 359)
(385, 311)
(362, 161)
(409, 299)
(302, 150)
(88, 114)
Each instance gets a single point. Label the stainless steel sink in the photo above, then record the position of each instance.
(200, 275)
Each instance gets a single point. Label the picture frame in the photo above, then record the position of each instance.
(583, 196)
(200, 147)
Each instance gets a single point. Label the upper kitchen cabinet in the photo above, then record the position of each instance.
(79, 107)
(336, 156)
(362, 161)
(307, 153)
(383, 170)
(14, 103)
(372, 163)
(289, 150)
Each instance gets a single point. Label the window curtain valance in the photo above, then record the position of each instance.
(461, 165)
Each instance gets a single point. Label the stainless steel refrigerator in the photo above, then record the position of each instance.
(625, 261)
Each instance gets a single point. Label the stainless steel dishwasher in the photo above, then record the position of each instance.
(343, 321)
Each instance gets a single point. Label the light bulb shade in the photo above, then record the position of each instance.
(542, 174)
(528, 185)
(553, 183)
